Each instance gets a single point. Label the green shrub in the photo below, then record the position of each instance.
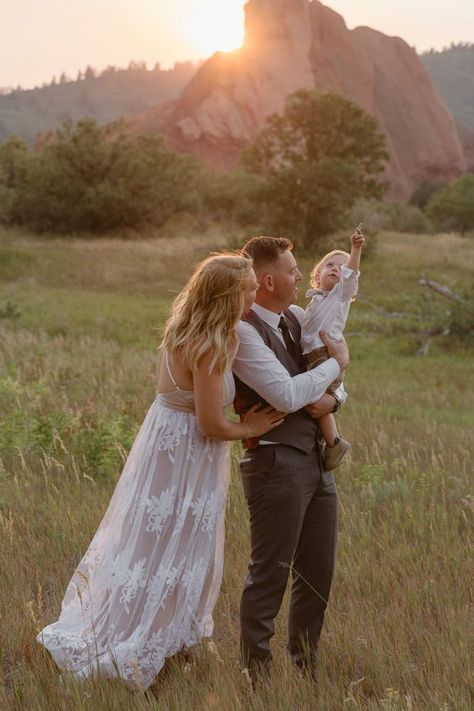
(453, 207)
(15, 161)
(424, 192)
(461, 321)
(92, 178)
(393, 216)
(234, 197)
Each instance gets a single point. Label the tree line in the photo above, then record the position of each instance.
(89, 73)
(104, 96)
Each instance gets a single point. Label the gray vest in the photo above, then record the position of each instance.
(298, 429)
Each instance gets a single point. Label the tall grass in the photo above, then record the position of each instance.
(398, 631)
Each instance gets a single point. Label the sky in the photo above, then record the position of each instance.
(39, 40)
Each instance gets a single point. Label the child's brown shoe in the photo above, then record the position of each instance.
(334, 455)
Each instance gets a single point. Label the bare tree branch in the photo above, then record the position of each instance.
(427, 337)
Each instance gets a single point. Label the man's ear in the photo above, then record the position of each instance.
(267, 282)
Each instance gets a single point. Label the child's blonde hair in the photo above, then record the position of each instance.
(204, 314)
(317, 268)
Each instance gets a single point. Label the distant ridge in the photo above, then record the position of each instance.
(104, 96)
(452, 73)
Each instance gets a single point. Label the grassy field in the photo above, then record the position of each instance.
(79, 329)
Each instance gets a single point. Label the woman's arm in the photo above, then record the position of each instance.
(209, 398)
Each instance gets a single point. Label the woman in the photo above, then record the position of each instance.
(148, 583)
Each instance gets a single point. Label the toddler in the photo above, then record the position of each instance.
(334, 280)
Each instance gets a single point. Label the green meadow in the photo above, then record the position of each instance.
(80, 323)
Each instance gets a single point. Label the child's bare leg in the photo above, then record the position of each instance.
(328, 427)
(336, 447)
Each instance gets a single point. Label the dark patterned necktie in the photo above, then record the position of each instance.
(291, 346)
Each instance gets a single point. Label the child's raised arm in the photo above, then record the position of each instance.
(357, 240)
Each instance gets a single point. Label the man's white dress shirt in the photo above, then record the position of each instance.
(258, 367)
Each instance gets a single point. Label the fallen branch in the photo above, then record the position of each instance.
(440, 289)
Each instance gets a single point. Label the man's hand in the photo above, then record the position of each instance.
(337, 350)
(322, 407)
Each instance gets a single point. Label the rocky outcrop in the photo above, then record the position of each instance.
(294, 44)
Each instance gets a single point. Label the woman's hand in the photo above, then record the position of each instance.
(209, 398)
(260, 420)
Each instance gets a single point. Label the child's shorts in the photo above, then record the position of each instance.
(315, 358)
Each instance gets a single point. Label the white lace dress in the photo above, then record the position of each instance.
(148, 583)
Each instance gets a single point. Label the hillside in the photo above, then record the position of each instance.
(106, 96)
(452, 73)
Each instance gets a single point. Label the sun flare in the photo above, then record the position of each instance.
(213, 25)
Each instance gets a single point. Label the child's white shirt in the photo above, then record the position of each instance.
(328, 311)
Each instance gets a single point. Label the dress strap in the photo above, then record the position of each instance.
(169, 372)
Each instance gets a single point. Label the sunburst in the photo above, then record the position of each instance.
(212, 25)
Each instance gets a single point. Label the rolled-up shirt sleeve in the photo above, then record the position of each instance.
(348, 284)
(257, 366)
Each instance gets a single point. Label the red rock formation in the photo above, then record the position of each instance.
(294, 44)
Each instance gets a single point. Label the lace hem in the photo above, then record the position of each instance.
(137, 669)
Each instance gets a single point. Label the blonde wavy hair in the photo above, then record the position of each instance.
(317, 268)
(204, 314)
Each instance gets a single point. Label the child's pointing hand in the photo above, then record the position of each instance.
(357, 237)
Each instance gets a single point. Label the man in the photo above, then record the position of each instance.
(292, 501)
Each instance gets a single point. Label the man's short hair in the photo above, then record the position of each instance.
(266, 250)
